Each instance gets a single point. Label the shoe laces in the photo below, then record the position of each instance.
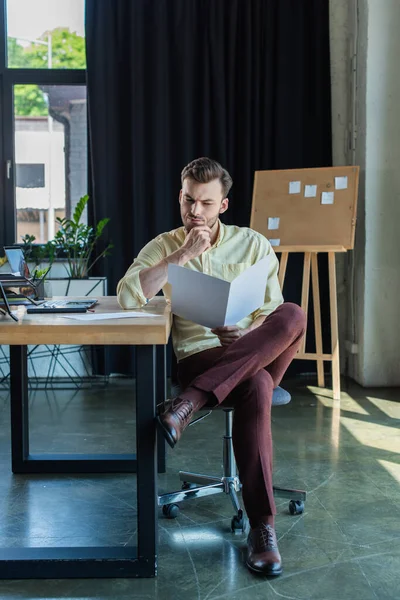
(182, 408)
(266, 538)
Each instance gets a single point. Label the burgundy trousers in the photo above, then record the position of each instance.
(244, 375)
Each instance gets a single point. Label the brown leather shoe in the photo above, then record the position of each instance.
(262, 551)
(175, 418)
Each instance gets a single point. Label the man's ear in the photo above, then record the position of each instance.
(224, 205)
(180, 197)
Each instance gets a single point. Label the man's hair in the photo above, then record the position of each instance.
(204, 170)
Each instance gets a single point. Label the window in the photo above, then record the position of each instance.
(44, 103)
(51, 129)
(46, 34)
(29, 176)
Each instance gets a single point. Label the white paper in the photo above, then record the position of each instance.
(310, 191)
(214, 302)
(327, 197)
(275, 241)
(103, 316)
(340, 183)
(273, 222)
(294, 187)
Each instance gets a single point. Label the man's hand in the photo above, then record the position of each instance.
(154, 278)
(197, 241)
(229, 334)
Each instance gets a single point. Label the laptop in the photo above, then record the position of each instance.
(18, 265)
(20, 285)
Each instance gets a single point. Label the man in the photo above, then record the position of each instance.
(241, 363)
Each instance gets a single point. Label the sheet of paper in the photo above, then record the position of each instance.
(341, 183)
(310, 191)
(294, 187)
(127, 314)
(273, 222)
(327, 197)
(275, 241)
(213, 302)
(247, 292)
(198, 297)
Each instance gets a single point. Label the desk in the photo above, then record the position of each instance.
(149, 335)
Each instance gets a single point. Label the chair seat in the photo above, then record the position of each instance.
(279, 398)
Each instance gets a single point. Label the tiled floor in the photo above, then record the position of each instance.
(346, 545)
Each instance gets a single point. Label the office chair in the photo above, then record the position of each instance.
(197, 485)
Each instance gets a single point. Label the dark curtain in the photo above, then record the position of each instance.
(246, 82)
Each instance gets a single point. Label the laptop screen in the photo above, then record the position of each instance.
(17, 262)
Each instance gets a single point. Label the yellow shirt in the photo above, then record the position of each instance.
(235, 249)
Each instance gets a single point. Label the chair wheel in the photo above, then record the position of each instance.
(171, 511)
(296, 507)
(189, 486)
(237, 524)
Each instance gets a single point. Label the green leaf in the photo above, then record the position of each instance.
(79, 208)
(100, 226)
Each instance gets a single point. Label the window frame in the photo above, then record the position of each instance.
(8, 78)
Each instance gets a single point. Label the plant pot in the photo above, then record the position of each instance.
(89, 286)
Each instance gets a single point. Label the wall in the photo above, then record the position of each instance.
(378, 323)
(369, 278)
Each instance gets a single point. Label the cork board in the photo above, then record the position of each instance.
(306, 207)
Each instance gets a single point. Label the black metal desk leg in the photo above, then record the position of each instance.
(19, 407)
(146, 458)
(23, 461)
(161, 378)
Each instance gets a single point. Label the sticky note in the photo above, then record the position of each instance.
(310, 191)
(273, 223)
(340, 183)
(327, 197)
(275, 242)
(294, 187)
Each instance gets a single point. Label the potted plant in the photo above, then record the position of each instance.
(72, 248)
(76, 241)
(74, 244)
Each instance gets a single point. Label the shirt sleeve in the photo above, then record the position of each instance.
(129, 289)
(273, 294)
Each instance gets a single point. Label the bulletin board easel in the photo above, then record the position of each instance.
(310, 211)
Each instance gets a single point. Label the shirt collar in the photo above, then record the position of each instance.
(221, 233)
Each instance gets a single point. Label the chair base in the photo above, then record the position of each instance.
(206, 485)
(197, 485)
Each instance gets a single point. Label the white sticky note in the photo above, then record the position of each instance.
(275, 242)
(340, 183)
(273, 222)
(294, 187)
(310, 191)
(327, 197)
